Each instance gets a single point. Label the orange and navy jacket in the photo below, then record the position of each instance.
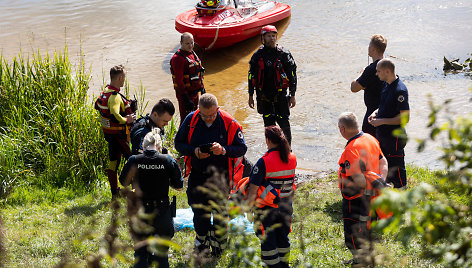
(278, 60)
(187, 72)
(271, 173)
(266, 194)
(361, 156)
(228, 133)
(113, 108)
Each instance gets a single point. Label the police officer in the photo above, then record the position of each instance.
(151, 174)
(116, 116)
(187, 75)
(393, 109)
(370, 82)
(362, 170)
(160, 116)
(213, 144)
(275, 170)
(272, 70)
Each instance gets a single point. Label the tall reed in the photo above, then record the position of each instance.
(49, 133)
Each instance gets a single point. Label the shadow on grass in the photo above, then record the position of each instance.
(86, 210)
(333, 210)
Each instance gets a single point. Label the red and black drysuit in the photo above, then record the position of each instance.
(187, 75)
(271, 72)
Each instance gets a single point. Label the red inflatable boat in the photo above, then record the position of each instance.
(230, 22)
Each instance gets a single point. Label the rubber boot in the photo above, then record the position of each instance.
(288, 134)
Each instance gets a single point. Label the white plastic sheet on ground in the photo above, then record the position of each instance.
(184, 219)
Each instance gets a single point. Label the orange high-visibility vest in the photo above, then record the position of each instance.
(266, 194)
(361, 156)
(280, 175)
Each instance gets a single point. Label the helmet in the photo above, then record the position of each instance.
(268, 29)
(211, 3)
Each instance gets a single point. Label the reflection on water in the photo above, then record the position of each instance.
(328, 40)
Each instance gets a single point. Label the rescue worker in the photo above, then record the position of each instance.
(151, 173)
(370, 82)
(187, 75)
(275, 170)
(362, 171)
(213, 143)
(272, 70)
(161, 115)
(116, 116)
(393, 110)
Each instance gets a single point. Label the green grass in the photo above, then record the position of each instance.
(72, 226)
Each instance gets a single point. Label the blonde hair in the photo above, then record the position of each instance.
(379, 42)
(153, 138)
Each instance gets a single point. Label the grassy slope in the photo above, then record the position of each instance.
(42, 227)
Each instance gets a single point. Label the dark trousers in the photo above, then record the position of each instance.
(163, 227)
(183, 106)
(356, 217)
(393, 150)
(208, 234)
(396, 171)
(366, 127)
(276, 112)
(118, 145)
(272, 228)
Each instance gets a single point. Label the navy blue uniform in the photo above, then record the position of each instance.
(394, 98)
(372, 89)
(140, 128)
(272, 103)
(152, 174)
(201, 174)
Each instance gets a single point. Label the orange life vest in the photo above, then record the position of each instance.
(236, 166)
(281, 79)
(280, 175)
(110, 124)
(193, 75)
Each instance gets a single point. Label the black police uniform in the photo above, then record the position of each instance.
(394, 98)
(272, 103)
(152, 175)
(372, 89)
(138, 131)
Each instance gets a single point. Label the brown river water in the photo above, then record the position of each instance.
(328, 40)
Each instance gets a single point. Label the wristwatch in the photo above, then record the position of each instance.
(224, 150)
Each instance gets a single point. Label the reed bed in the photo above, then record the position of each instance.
(49, 132)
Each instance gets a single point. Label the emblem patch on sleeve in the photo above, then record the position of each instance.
(255, 170)
(401, 98)
(240, 135)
